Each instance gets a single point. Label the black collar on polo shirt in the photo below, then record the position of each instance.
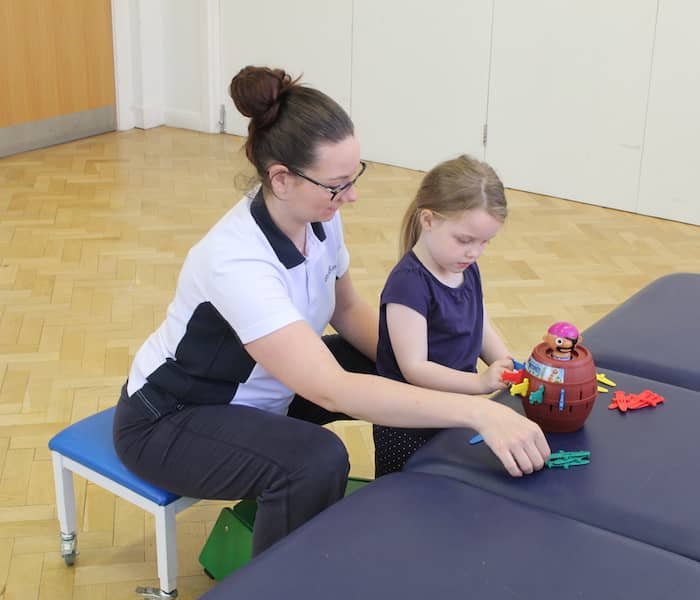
(287, 253)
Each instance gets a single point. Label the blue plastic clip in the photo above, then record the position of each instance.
(561, 399)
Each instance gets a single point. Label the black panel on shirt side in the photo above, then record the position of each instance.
(211, 348)
(210, 361)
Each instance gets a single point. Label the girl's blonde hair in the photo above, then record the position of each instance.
(453, 186)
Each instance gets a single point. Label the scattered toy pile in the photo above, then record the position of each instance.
(625, 402)
(568, 459)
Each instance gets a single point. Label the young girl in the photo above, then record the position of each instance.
(433, 325)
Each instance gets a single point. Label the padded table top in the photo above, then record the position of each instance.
(415, 536)
(642, 480)
(654, 333)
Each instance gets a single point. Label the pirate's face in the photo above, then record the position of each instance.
(562, 345)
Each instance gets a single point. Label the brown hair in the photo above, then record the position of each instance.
(287, 120)
(463, 183)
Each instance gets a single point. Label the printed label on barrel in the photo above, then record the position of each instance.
(545, 372)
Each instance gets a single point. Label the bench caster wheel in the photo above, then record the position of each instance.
(151, 593)
(69, 543)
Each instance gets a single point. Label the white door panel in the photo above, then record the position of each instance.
(669, 184)
(420, 79)
(306, 37)
(568, 96)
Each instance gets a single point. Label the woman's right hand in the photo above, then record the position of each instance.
(517, 442)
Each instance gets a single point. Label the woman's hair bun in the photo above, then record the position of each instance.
(257, 92)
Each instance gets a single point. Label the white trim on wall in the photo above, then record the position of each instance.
(137, 27)
(147, 23)
(140, 65)
(210, 26)
(123, 75)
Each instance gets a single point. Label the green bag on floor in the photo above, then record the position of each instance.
(230, 543)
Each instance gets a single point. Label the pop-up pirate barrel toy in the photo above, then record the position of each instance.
(558, 384)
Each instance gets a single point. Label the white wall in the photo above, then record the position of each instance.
(420, 79)
(182, 72)
(569, 83)
(309, 37)
(588, 100)
(668, 185)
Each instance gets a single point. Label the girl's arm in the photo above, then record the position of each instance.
(299, 359)
(408, 332)
(354, 319)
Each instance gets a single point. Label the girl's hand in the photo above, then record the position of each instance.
(517, 442)
(491, 377)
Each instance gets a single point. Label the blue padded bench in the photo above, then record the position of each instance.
(455, 525)
(641, 481)
(86, 448)
(653, 334)
(415, 536)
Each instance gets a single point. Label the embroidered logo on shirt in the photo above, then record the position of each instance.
(328, 272)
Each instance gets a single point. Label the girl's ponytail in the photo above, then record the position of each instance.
(410, 228)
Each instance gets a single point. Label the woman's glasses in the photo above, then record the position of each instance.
(337, 190)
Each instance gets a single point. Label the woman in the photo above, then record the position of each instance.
(225, 399)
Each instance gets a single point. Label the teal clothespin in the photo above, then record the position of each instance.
(537, 396)
(568, 459)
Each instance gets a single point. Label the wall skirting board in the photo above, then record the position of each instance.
(56, 130)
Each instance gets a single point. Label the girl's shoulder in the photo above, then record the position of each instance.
(408, 278)
(409, 267)
(409, 263)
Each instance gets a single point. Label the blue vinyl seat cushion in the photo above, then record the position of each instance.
(89, 442)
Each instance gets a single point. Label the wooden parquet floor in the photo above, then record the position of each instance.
(92, 236)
